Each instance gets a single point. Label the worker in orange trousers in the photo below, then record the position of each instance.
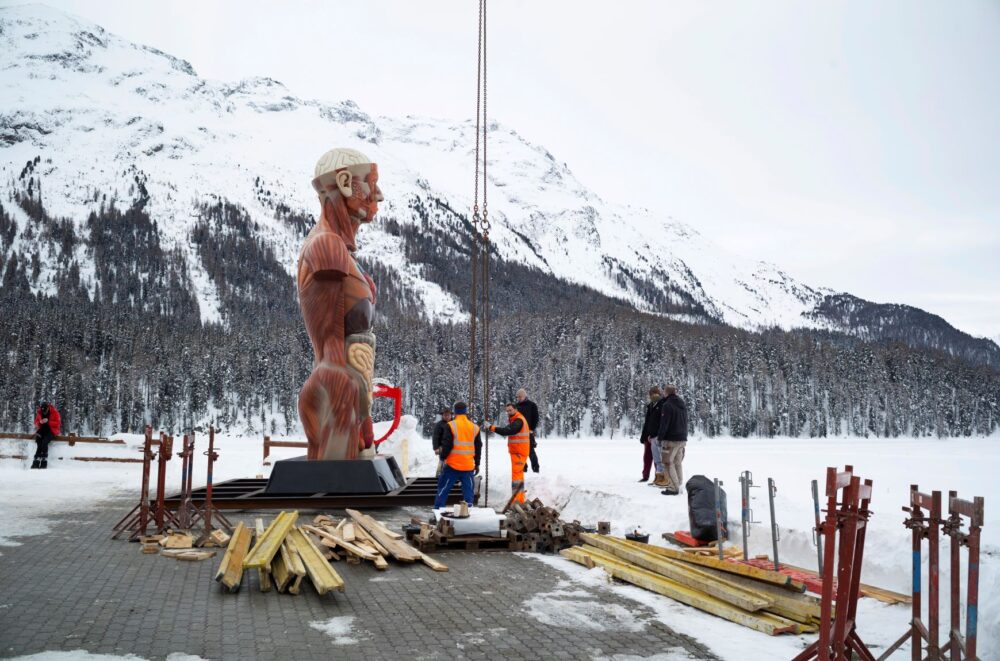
(518, 435)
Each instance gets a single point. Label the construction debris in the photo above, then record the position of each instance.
(284, 554)
(684, 577)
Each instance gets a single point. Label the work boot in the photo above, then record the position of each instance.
(661, 480)
(35, 462)
(670, 491)
(644, 478)
(43, 463)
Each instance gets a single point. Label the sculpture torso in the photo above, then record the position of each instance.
(337, 300)
(336, 297)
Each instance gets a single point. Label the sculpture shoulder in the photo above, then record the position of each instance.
(326, 252)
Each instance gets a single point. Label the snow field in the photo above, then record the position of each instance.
(594, 479)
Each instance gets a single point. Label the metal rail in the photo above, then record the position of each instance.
(250, 494)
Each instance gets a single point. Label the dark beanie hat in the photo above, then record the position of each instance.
(461, 408)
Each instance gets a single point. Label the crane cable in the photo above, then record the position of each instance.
(479, 307)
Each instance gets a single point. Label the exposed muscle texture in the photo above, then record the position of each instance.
(337, 301)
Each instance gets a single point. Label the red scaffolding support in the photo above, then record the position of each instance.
(926, 522)
(844, 531)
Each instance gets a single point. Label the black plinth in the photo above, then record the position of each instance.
(379, 475)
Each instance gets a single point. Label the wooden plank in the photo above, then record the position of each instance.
(194, 556)
(228, 555)
(347, 532)
(362, 534)
(432, 563)
(399, 549)
(681, 573)
(731, 567)
(279, 571)
(294, 562)
(322, 575)
(801, 607)
(763, 622)
(338, 541)
(263, 573)
(267, 546)
(230, 572)
(177, 541)
(391, 533)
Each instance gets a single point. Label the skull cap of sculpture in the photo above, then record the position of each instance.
(339, 158)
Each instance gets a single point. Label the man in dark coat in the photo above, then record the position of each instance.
(48, 425)
(527, 408)
(440, 429)
(651, 454)
(673, 437)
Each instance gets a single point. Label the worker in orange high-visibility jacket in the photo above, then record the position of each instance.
(460, 449)
(518, 435)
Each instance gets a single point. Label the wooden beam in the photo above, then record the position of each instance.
(763, 622)
(432, 563)
(681, 572)
(322, 575)
(263, 573)
(399, 549)
(269, 543)
(339, 541)
(230, 572)
(731, 567)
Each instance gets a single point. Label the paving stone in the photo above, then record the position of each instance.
(85, 591)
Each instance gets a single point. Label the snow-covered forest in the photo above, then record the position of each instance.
(134, 349)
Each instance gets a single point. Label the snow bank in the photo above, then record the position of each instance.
(596, 479)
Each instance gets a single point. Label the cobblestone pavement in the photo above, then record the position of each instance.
(74, 588)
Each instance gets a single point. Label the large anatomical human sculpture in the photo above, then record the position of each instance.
(337, 300)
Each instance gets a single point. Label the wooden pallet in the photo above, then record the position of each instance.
(463, 543)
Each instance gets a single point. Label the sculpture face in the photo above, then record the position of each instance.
(347, 184)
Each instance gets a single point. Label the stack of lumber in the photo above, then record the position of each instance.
(814, 582)
(360, 537)
(283, 554)
(762, 600)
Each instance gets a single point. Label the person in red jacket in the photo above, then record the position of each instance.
(48, 425)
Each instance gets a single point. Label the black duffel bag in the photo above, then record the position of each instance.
(701, 509)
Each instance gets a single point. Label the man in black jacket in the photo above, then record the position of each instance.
(527, 408)
(651, 454)
(673, 437)
(440, 429)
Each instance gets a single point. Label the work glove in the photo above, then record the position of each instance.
(476, 471)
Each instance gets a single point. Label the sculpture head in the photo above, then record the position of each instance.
(347, 184)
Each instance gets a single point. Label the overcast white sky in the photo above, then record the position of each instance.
(855, 144)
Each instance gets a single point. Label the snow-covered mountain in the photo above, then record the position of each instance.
(104, 120)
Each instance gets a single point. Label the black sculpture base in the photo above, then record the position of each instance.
(378, 475)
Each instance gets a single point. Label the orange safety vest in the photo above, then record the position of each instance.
(463, 448)
(523, 436)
